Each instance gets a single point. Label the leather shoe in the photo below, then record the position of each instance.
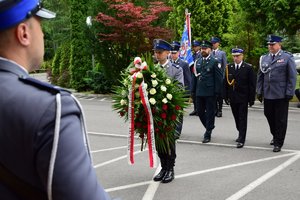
(169, 176)
(219, 114)
(239, 145)
(276, 149)
(237, 140)
(160, 175)
(272, 142)
(194, 113)
(205, 140)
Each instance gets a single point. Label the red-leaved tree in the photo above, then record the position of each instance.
(133, 27)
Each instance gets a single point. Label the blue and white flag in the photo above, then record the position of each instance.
(185, 49)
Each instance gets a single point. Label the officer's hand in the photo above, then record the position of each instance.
(227, 101)
(251, 103)
(259, 97)
(288, 97)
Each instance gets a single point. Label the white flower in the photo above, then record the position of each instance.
(153, 75)
(154, 83)
(152, 101)
(139, 75)
(153, 91)
(123, 102)
(169, 96)
(163, 88)
(165, 100)
(123, 93)
(145, 85)
(168, 81)
(137, 60)
(136, 86)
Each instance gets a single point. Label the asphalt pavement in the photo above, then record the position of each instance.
(213, 171)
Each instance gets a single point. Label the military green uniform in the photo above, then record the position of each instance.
(207, 85)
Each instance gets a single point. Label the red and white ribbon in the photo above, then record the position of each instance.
(150, 127)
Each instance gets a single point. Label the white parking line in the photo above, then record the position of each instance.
(112, 149)
(115, 160)
(152, 188)
(263, 178)
(202, 171)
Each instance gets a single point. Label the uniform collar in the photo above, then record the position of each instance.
(11, 66)
(165, 65)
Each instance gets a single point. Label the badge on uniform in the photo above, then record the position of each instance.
(219, 65)
(280, 61)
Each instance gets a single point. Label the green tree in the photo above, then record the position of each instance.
(274, 16)
(208, 17)
(80, 61)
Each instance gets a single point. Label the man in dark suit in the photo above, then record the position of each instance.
(207, 86)
(44, 150)
(221, 57)
(239, 91)
(276, 82)
(167, 159)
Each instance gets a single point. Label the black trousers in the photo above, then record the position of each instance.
(276, 112)
(240, 114)
(167, 159)
(206, 107)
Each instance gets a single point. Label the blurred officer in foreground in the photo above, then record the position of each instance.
(240, 81)
(44, 151)
(207, 86)
(297, 93)
(167, 159)
(196, 55)
(221, 57)
(276, 82)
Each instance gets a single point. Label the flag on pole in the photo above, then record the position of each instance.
(185, 49)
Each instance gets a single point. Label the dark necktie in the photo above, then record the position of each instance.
(273, 56)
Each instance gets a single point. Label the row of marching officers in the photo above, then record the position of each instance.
(274, 85)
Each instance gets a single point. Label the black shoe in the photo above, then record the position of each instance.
(205, 140)
(237, 140)
(272, 142)
(219, 114)
(160, 175)
(239, 145)
(194, 113)
(169, 176)
(276, 149)
(298, 106)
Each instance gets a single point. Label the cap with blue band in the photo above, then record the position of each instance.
(12, 12)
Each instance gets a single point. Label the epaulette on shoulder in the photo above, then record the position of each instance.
(42, 85)
(175, 65)
(287, 52)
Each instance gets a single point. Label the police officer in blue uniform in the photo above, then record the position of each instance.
(240, 81)
(221, 57)
(207, 86)
(44, 151)
(161, 51)
(187, 76)
(196, 55)
(276, 82)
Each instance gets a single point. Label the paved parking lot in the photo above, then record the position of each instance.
(214, 171)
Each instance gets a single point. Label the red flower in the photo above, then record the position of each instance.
(163, 115)
(138, 124)
(177, 107)
(159, 123)
(162, 135)
(122, 114)
(165, 107)
(173, 117)
(153, 110)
